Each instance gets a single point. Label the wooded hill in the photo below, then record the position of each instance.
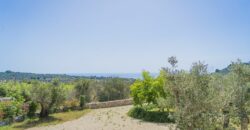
(227, 69)
(10, 75)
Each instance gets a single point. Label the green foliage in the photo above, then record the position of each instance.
(56, 94)
(82, 88)
(82, 101)
(10, 109)
(32, 109)
(10, 113)
(3, 92)
(196, 101)
(53, 95)
(113, 89)
(47, 95)
(200, 100)
(239, 76)
(205, 101)
(14, 107)
(148, 90)
(70, 104)
(148, 93)
(163, 103)
(15, 90)
(152, 116)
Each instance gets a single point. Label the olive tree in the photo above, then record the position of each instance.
(82, 87)
(114, 89)
(48, 95)
(240, 80)
(224, 97)
(195, 99)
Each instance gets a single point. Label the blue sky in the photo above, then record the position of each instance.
(121, 36)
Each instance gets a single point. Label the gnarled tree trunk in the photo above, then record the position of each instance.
(44, 112)
(244, 121)
(226, 121)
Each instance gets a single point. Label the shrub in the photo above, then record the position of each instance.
(70, 104)
(82, 101)
(82, 87)
(3, 92)
(151, 116)
(32, 109)
(1, 114)
(9, 110)
(137, 112)
(10, 113)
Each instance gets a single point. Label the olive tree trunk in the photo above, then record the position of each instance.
(244, 122)
(226, 121)
(44, 112)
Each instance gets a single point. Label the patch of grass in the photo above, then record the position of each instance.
(53, 119)
(151, 116)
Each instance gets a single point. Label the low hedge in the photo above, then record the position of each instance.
(151, 116)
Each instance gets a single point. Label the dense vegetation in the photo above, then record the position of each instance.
(195, 99)
(28, 97)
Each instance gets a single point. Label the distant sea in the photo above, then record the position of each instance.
(119, 75)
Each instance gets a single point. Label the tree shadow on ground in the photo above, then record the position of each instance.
(38, 122)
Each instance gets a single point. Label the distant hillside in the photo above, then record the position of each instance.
(10, 75)
(227, 69)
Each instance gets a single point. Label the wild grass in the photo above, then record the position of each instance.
(53, 119)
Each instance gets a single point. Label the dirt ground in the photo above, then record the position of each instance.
(114, 118)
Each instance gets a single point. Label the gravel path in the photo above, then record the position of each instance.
(106, 119)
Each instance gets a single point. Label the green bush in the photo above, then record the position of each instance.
(10, 113)
(3, 92)
(137, 112)
(151, 116)
(32, 109)
(82, 101)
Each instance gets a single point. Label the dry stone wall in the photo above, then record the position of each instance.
(95, 105)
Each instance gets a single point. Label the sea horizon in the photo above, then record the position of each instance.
(119, 75)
